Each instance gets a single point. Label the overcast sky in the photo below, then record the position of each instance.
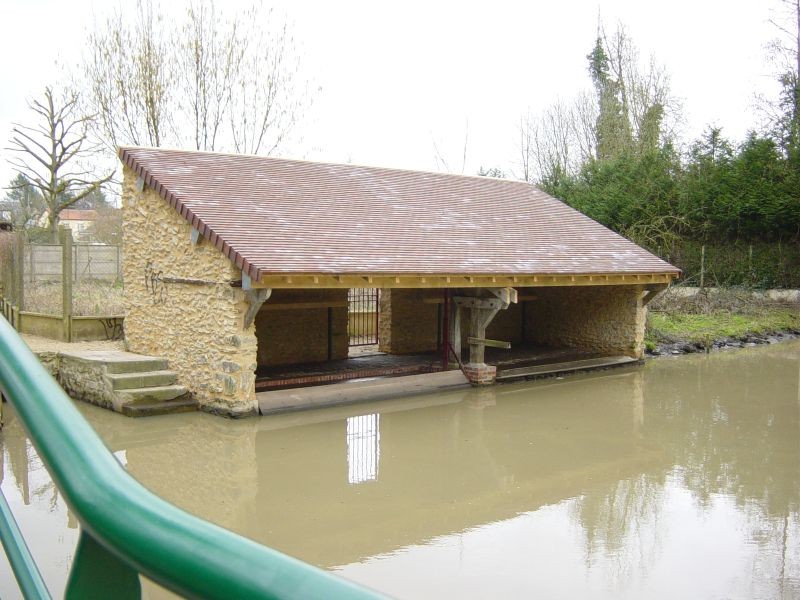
(397, 77)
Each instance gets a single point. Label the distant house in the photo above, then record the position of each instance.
(76, 219)
(238, 268)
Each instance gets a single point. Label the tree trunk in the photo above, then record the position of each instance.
(53, 227)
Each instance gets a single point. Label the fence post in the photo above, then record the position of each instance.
(702, 266)
(19, 279)
(119, 263)
(65, 237)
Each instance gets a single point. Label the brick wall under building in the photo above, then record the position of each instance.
(602, 318)
(197, 327)
(406, 323)
(300, 335)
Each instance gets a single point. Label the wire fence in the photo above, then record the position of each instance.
(43, 263)
(34, 278)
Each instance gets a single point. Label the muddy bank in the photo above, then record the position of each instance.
(724, 343)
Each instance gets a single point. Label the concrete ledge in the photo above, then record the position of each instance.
(566, 367)
(357, 391)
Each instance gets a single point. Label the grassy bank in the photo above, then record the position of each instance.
(706, 320)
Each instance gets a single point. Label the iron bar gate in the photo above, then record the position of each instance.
(362, 316)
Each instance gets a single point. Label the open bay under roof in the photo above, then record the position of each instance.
(294, 222)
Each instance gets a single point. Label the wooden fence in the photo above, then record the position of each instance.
(66, 263)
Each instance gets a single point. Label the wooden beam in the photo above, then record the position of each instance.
(507, 295)
(254, 298)
(479, 303)
(451, 280)
(650, 292)
(490, 343)
(303, 305)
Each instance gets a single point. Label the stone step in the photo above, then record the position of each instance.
(159, 393)
(141, 379)
(134, 365)
(115, 361)
(150, 409)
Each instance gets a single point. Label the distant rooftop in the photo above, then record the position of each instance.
(77, 214)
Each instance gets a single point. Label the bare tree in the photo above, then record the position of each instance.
(129, 70)
(783, 115)
(211, 52)
(441, 160)
(51, 154)
(557, 141)
(648, 110)
(265, 100)
(212, 82)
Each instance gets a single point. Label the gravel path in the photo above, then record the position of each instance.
(40, 344)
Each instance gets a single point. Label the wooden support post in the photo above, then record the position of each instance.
(481, 313)
(454, 330)
(65, 236)
(479, 320)
(330, 333)
(19, 279)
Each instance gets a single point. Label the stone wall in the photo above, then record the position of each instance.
(300, 335)
(198, 328)
(506, 326)
(86, 380)
(406, 323)
(49, 361)
(602, 318)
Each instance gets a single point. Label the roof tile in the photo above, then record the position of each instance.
(290, 216)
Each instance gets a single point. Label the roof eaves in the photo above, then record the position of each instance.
(150, 181)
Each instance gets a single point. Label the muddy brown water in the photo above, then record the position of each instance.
(679, 479)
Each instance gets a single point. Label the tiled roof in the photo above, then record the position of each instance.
(77, 214)
(276, 216)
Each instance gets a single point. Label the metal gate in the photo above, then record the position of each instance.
(362, 316)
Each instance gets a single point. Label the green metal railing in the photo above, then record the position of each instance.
(125, 529)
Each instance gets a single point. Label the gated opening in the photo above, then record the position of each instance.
(362, 319)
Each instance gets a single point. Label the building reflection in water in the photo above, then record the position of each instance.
(363, 448)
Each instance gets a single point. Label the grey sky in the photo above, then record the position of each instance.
(397, 77)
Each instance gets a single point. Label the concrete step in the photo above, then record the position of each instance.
(141, 379)
(150, 409)
(159, 393)
(115, 361)
(134, 365)
(564, 367)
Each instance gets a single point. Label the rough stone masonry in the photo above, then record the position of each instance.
(180, 304)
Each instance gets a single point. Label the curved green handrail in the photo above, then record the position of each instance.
(134, 527)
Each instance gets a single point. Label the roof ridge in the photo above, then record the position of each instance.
(326, 162)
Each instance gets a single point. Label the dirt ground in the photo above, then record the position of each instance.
(40, 344)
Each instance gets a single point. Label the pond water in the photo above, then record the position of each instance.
(679, 479)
